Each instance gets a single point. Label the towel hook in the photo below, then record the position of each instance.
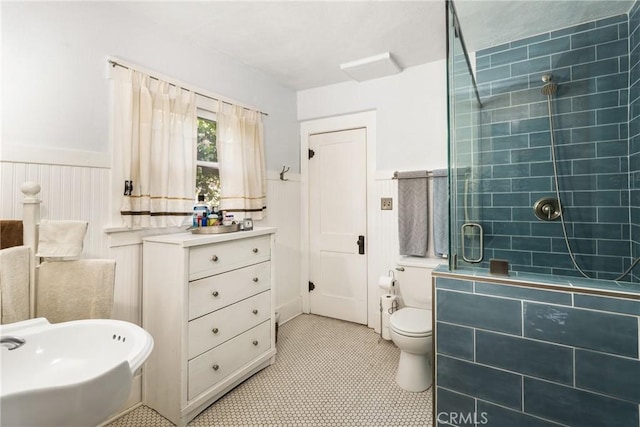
(285, 169)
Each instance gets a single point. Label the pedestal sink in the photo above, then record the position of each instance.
(67, 374)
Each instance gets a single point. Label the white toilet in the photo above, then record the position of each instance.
(410, 326)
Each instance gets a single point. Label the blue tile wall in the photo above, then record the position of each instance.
(472, 379)
(529, 357)
(576, 407)
(610, 333)
(634, 127)
(606, 374)
(451, 405)
(596, 66)
(473, 310)
(496, 416)
(562, 358)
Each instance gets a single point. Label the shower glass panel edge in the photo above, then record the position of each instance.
(463, 109)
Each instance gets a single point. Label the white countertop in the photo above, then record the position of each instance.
(187, 239)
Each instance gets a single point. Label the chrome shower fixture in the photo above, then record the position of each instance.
(547, 209)
(549, 88)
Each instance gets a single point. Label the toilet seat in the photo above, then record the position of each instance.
(412, 322)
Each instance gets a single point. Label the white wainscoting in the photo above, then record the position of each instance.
(81, 193)
(68, 192)
(283, 212)
(384, 246)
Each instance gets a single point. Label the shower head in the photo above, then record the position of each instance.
(549, 88)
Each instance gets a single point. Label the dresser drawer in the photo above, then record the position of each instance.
(215, 292)
(215, 365)
(215, 328)
(213, 259)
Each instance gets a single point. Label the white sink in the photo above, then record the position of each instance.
(68, 374)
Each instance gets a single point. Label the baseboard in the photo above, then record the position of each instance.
(290, 309)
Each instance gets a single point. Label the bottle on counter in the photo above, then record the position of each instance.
(227, 219)
(200, 212)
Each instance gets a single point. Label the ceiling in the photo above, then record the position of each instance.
(302, 43)
(488, 23)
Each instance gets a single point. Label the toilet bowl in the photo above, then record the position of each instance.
(410, 329)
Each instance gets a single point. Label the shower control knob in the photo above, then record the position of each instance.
(547, 209)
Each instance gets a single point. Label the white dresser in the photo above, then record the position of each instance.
(208, 302)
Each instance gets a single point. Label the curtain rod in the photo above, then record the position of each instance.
(117, 64)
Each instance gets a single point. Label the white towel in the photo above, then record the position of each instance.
(61, 239)
(73, 290)
(14, 284)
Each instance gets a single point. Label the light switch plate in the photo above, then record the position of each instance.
(386, 203)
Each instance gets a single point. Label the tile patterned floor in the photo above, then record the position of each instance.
(328, 373)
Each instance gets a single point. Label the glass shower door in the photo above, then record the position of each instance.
(466, 233)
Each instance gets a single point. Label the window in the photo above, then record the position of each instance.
(207, 170)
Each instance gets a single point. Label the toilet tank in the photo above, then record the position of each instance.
(414, 281)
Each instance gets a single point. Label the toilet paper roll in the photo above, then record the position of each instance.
(386, 282)
(387, 302)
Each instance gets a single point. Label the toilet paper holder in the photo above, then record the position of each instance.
(390, 310)
(391, 287)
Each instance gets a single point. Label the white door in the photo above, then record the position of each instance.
(338, 225)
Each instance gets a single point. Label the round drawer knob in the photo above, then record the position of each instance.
(255, 250)
(215, 367)
(215, 293)
(255, 279)
(255, 342)
(215, 258)
(255, 311)
(214, 330)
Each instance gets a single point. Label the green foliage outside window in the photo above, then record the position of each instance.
(207, 175)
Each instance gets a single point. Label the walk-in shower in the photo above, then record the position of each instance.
(545, 149)
(551, 208)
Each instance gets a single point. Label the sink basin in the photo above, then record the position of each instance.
(68, 374)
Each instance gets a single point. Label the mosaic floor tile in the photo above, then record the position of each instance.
(327, 373)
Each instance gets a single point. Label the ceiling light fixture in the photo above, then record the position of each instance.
(372, 67)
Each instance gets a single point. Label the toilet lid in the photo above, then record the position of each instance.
(411, 321)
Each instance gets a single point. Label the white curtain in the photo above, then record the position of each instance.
(157, 127)
(241, 160)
